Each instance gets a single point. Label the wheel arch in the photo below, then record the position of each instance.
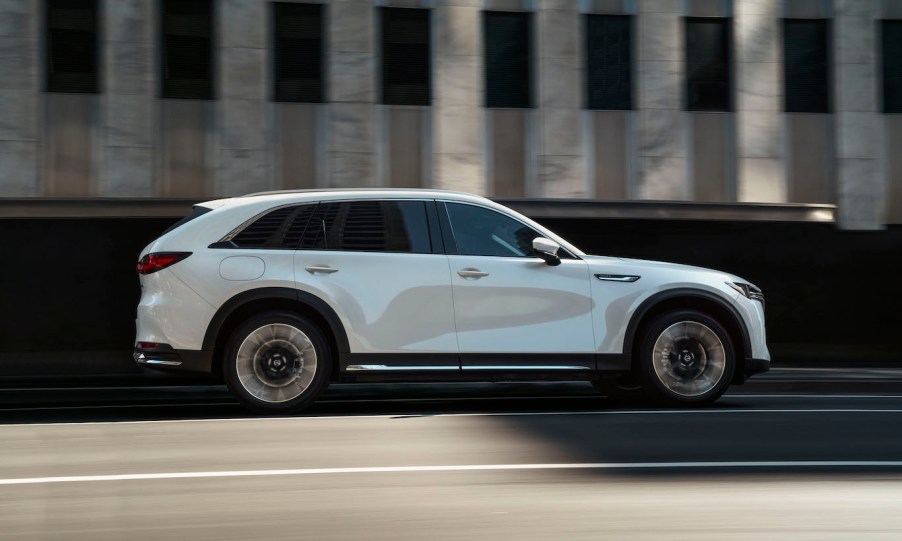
(704, 301)
(247, 303)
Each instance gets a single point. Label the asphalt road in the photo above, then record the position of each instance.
(796, 455)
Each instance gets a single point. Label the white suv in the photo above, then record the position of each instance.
(282, 293)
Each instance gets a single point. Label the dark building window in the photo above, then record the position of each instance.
(508, 76)
(369, 226)
(406, 68)
(708, 64)
(298, 58)
(806, 71)
(187, 49)
(609, 62)
(72, 46)
(892, 66)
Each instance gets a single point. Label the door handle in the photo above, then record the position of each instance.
(470, 272)
(320, 269)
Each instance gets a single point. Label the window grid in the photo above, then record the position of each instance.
(609, 62)
(298, 54)
(187, 45)
(708, 64)
(406, 56)
(71, 41)
(508, 66)
(806, 69)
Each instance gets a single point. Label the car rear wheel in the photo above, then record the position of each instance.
(277, 362)
(686, 357)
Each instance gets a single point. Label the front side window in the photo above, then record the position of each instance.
(369, 226)
(482, 231)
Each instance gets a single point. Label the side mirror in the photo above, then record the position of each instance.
(547, 250)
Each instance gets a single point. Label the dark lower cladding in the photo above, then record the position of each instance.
(756, 366)
(164, 357)
(399, 367)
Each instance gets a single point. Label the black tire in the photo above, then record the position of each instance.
(685, 357)
(624, 388)
(277, 362)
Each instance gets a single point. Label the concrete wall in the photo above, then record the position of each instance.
(126, 142)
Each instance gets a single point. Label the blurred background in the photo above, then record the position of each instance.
(754, 136)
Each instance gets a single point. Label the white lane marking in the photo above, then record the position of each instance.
(456, 468)
(428, 415)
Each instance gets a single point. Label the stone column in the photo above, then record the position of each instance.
(128, 86)
(20, 92)
(662, 130)
(759, 101)
(352, 93)
(561, 167)
(458, 114)
(860, 186)
(242, 164)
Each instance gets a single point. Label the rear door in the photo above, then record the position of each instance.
(380, 264)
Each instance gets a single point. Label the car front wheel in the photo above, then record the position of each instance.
(686, 357)
(277, 362)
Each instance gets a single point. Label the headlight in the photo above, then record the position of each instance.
(747, 290)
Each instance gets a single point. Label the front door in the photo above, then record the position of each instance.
(512, 310)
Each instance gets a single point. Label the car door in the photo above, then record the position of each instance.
(511, 309)
(382, 269)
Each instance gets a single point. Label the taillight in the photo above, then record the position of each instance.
(154, 262)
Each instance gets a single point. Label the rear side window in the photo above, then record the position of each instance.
(369, 226)
(279, 229)
(196, 212)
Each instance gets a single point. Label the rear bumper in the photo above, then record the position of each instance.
(164, 357)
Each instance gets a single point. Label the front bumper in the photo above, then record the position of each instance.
(164, 357)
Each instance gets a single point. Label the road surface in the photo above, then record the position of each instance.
(797, 456)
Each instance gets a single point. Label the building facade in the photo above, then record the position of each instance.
(743, 101)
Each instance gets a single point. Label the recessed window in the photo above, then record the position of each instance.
(72, 46)
(187, 44)
(508, 71)
(806, 73)
(406, 67)
(298, 55)
(369, 226)
(892, 66)
(609, 62)
(708, 75)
